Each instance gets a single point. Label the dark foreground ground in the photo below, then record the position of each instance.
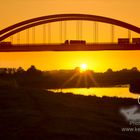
(42, 115)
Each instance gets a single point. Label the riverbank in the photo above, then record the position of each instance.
(121, 92)
(39, 114)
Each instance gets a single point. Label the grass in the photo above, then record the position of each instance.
(38, 114)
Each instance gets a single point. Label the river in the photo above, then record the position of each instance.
(122, 92)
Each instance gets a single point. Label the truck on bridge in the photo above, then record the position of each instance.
(5, 43)
(127, 41)
(123, 41)
(136, 40)
(75, 42)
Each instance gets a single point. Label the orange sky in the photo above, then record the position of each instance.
(15, 11)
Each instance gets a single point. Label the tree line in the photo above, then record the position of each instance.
(33, 77)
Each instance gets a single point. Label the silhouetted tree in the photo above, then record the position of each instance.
(11, 70)
(134, 69)
(20, 70)
(124, 70)
(3, 70)
(109, 70)
(32, 71)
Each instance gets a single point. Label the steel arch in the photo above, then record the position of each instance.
(5, 33)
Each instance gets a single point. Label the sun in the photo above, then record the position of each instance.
(83, 67)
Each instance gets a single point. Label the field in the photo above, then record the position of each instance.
(38, 114)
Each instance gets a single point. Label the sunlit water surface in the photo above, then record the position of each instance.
(99, 92)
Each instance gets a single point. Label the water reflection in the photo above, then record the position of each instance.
(99, 92)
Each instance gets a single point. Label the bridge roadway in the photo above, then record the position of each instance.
(67, 47)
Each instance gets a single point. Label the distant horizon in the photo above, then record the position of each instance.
(66, 69)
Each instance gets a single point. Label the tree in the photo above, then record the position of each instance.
(32, 71)
(20, 70)
(134, 69)
(109, 70)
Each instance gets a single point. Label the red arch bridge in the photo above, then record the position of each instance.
(73, 32)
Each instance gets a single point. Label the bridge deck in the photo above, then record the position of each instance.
(67, 47)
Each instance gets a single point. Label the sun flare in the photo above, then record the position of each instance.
(83, 67)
